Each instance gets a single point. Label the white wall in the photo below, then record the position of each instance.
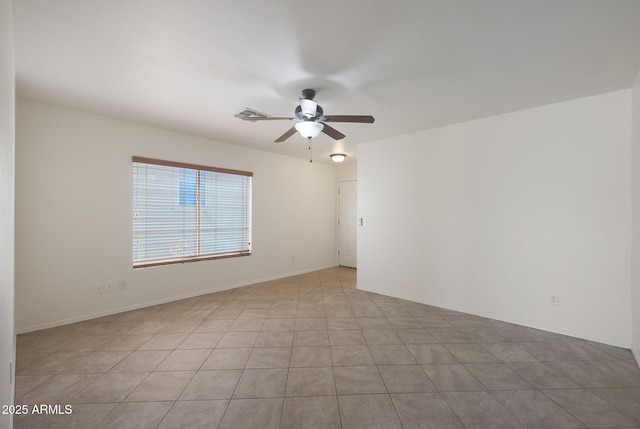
(635, 226)
(493, 216)
(7, 180)
(73, 215)
(347, 172)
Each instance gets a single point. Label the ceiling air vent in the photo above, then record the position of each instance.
(250, 115)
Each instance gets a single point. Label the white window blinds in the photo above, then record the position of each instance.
(186, 212)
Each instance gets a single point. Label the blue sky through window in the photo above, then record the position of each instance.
(189, 187)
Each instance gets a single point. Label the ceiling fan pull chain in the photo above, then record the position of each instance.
(310, 151)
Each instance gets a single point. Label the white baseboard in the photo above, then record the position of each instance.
(579, 335)
(146, 304)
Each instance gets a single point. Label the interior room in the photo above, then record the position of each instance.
(472, 260)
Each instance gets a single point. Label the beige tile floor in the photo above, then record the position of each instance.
(311, 351)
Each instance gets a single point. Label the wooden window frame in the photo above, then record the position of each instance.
(198, 168)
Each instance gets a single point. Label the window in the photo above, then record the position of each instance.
(185, 212)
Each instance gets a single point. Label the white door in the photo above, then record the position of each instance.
(347, 228)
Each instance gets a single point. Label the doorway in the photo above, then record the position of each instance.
(347, 223)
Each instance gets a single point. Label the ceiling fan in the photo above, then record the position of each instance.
(311, 119)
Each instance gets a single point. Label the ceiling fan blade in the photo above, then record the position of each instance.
(332, 132)
(268, 118)
(286, 135)
(363, 119)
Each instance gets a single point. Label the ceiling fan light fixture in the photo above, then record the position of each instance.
(309, 129)
(337, 157)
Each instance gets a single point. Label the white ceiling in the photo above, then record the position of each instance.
(190, 65)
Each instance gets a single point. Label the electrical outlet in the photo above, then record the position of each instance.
(108, 287)
(99, 290)
(555, 300)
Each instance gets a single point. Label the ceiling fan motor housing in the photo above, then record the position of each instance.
(301, 115)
